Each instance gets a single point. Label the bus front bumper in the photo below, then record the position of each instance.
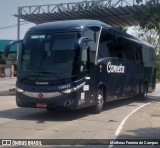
(46, 100)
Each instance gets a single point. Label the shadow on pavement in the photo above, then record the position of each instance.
(142, 133)
(149, 137)
(42, 115)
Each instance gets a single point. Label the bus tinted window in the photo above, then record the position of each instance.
(105, 45)
(52, 53)
(118, 47)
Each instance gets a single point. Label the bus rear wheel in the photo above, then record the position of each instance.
(144, 95)
(145, 91)
(99, 102)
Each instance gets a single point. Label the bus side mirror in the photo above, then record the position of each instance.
(9, 45)
(84, 40)
(85, 54)
(85, 58)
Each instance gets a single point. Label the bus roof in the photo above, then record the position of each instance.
(69, 25)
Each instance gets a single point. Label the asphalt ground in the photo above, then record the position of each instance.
(128, 119)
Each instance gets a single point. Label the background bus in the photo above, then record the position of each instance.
(81, 63)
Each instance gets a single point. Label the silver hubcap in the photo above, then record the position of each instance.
(145, 92)
(100, 101)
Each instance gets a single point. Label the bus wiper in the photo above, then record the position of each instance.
(70, 77)
(48, 74)
(31, 75)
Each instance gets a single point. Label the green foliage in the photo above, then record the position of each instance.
(150, 36)
(149, 15)
(2, 59)
(124, 29)
(13, 56)
(158, 67)
(149, 18)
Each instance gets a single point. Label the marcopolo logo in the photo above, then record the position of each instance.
(115, 68)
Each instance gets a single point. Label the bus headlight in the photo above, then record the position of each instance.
(19, 90)
(67, 91)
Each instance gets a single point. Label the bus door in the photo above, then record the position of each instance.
(87, 65)
(106, 64)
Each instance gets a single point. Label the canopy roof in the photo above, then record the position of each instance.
(117, 14)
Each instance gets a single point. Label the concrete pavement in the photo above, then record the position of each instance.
(144, 123)
(7, 86)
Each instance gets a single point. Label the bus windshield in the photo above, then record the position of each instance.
(51, 56)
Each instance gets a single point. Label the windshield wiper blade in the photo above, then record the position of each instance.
(30, 75)
(49, 74)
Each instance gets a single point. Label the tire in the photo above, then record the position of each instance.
(50, 109)
(144, 95)
(99, 102)
(145, 91)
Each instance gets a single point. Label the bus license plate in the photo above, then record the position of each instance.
(41, 105)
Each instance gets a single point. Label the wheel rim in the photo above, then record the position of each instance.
(145, 92)
(100, 101)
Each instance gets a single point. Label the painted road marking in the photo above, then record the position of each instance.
(123, 122)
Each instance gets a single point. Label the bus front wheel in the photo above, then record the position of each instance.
(50, 109)
(99, 101)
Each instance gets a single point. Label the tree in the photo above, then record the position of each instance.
(149, 16)
(158, 67)
(13, 56)
(150, 36)
(124, 29)
(2, 59)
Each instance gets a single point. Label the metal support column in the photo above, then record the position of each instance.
(18, 24)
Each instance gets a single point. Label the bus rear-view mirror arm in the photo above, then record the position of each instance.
(85, 54)
(84, 39)
(9, 45)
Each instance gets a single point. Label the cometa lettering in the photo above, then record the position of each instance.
(115, 69)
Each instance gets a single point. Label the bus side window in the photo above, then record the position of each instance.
(104, 47)
(136, 56)
(119, 55)
(103, 50)
(132, 51)
(152, 54)
(137, 53)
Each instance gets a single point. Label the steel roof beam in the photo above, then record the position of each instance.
(77, 6)
(113, 12)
